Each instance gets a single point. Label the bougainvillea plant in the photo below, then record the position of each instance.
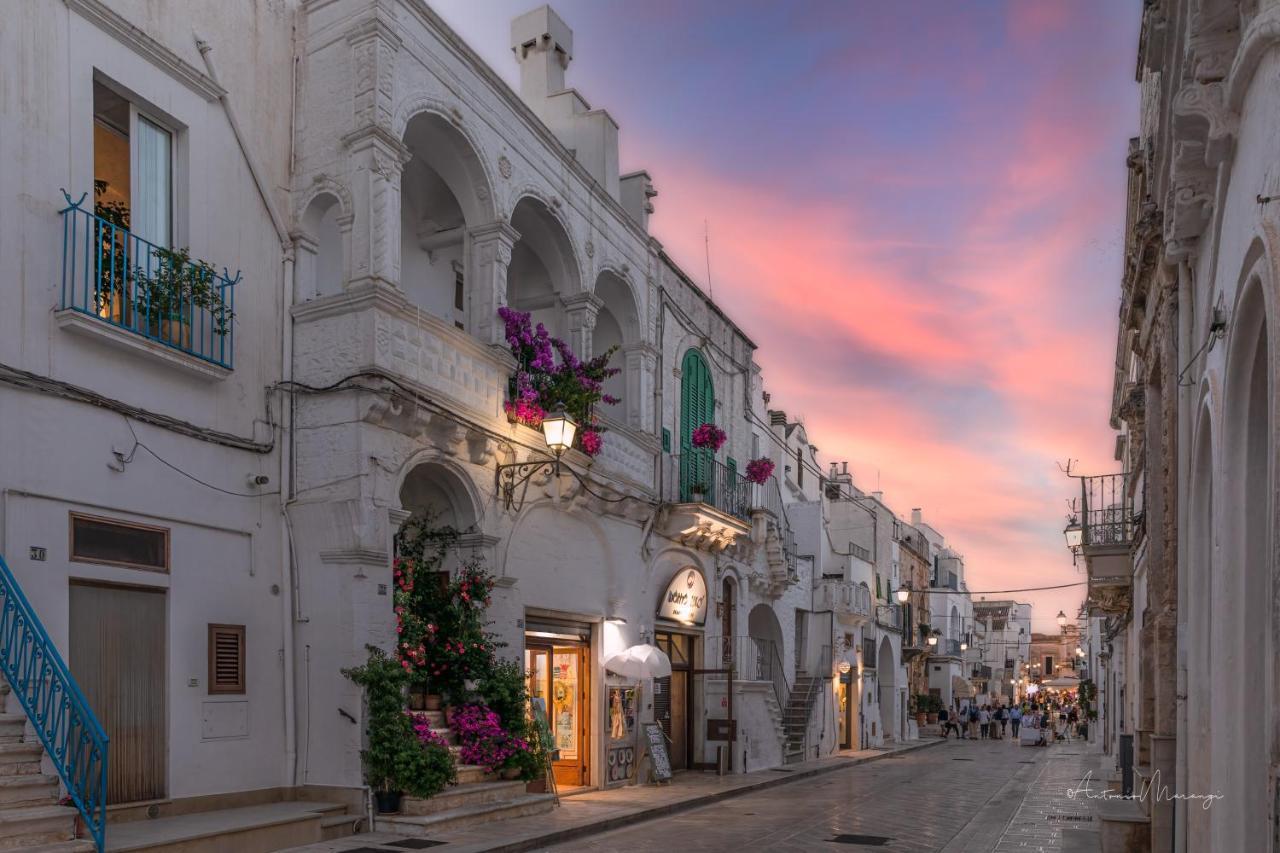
(708, 437)
(548, 375)
(483, 739)
(440, 622)
(759, 470)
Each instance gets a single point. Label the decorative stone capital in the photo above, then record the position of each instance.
(1201, 109)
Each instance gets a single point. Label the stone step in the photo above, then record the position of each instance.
(473, 773)
(28, 826)
(423, 826)
(82, 845)
(475, 793)
(28, 789)
(436, 718)
(335, 826)
(248, 829)
(19, 758)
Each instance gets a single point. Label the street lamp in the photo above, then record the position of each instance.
(903, 593)
(933, 639)
(558, 431)
(1074, 534)
(1062, 619)
(964, 647)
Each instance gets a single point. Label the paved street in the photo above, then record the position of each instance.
(961, 797)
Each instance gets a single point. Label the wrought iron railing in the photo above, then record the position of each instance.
(889, 616)
(757, 659)
(698, 477)
(62, 718)
(1106, 509)
(949, 647)
(117, 277)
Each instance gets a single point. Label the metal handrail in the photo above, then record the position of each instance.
(72, 736)
(698, 477)
(113, 275)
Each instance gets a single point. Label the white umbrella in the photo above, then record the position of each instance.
(642, 661)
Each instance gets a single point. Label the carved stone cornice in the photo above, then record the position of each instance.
(1261, 36)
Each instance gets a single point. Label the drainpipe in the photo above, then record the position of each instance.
(286, 425)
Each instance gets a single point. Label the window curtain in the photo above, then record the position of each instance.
(152, 192)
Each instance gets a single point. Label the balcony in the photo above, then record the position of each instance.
(135, 295)
(947, 648)
(1109, 527)
(849, 601)
(889, 617)
(711, 503)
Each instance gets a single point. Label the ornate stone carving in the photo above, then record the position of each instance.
(1189, 205)
(1201, 108)
(504, 167)
(590, 249)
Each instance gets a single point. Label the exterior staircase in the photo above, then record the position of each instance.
(795, 717)
(31, 819)
(479, 797)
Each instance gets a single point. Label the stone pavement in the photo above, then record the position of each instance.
(601, 811)
(959, 797)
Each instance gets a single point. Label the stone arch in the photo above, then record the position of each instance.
(763, 626)
(445, 192)
(618, 323)
(544, 268)
(1262, 36)
(953, 625)
(1201, 550)
(437, 487)
(886, 682)
(1247, 439)
(321, 256)
(482, 180)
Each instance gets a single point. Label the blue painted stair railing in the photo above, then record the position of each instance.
(71, 734)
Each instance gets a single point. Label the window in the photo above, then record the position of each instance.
(1048, 666)
(119, 543)
(799, 468)
(132, 166)
(226, 659)
(666, 440)
(459, 295)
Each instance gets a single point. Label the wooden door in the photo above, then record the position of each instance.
(118, 659)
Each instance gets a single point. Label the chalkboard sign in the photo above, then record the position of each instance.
(659, 761)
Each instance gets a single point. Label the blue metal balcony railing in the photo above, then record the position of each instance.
(71, 734)
(115, 276)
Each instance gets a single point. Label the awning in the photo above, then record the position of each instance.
(961, 688)
(1062, 682)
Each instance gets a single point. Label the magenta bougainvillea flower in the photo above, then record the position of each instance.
(708, 437)
(591, 442)
(760, 470)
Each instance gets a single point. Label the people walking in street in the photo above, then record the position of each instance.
(1015, 717)
(944, 720)
(999, 719)
(973, 721)
(1073, 721)
(984, 720)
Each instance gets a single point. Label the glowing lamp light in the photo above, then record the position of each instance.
(1062, 619)
(933, 639)
(964, 647)
(559, 429)
(903, 593)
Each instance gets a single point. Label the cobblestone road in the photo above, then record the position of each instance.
(962, 797)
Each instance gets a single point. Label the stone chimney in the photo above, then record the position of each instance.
(916, 516)
(637, 190)
(543, 45)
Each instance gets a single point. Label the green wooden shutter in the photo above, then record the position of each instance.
(697, 407)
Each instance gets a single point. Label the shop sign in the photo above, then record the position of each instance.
(685, 600)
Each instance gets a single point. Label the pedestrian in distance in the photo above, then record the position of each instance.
(945, 720)
(974, 716)
(984, 720)
(999, 720)
(1015, 718)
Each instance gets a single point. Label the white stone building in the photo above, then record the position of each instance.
(1180, 541)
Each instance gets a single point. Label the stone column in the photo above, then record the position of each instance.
(581, 311)
(377, 160)
(639, 367)
(491, 247)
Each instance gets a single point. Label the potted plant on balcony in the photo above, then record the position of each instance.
(170, 291)
(708, 436)
(698, 492)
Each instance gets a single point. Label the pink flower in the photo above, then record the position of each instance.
(760, 470)
(708, 436)
(591, 442)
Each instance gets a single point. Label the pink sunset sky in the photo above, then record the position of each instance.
(915, 210)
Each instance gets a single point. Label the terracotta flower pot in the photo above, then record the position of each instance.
(433, 701)
(510, 773)
(933, 718)
(921, 718)
(417, 701)
(536, 786)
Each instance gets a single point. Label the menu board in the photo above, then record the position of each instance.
(659, 761)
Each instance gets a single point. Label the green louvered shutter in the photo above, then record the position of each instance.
(697, 407)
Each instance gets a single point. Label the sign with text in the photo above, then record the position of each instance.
(659, 760)
(685, 600)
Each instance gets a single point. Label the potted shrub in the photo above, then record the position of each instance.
(922, 708)
(387, 758)
(934, 706)
(168, 292)
(698, 492)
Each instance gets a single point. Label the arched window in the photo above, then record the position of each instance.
(697, 407)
